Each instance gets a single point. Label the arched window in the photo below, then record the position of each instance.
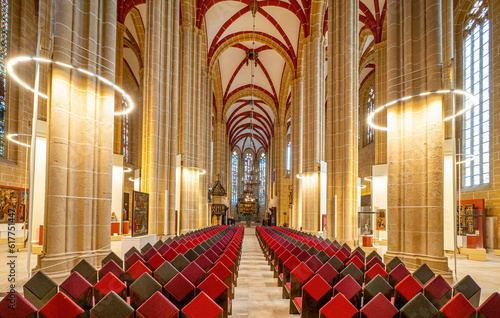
(4, 11)
(288, 157)
(262, 174)
(234, 178)
(248, 165)
(476, 122)
(125, 144)
(370, 134)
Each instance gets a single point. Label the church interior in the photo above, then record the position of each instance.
(265, 158)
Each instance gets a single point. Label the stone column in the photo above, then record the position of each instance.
(120, 31)
(191, 141)
(342, 119)
(282, 182)
(159, 137)
(79, 150)
(380, 99)
(415, 135)
(313, 111)
(296, 137)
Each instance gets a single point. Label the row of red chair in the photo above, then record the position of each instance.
(325, 278)
(188, 276)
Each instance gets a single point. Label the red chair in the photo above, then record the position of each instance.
(111, 267)
(405, 291)
(22, 309)
(288, 266)
(129, 261)
(458, 307)
(217, 291)
(298, 277)
(438, 291)
(316, 293)
(60, 306)
(179, 290)
(350, 288)
(157, 306)
(338, 307)
(108, 284)
(329, 274)
(398, 274)
(135, 271)
(379, 307)
(375, 270)
(202, 306)
(194, 273)
(156, 261)
(490, 307)
(224, 275)
(78, 289)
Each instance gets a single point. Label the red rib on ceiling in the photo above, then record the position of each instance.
(214, 47)
(124, 7)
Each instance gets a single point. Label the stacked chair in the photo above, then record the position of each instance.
(192, 275)
(325, 279)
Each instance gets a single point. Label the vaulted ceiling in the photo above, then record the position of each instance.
(228, 25)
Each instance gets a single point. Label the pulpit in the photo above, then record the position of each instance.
(218, 209)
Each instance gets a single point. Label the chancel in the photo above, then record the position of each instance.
(189, 158)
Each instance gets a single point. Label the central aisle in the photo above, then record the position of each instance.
(257, 294)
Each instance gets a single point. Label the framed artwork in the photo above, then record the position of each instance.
(140, 213)
(13, 201)
(381, 220)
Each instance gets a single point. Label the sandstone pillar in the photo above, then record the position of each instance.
(281, 179)
(415, 135)
(191, 119)
(79, 150)
(342, 119)
(160, 112)
(296, 139)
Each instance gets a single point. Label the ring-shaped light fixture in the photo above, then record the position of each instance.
(11, 138)
(134, 179)
(369, 178)
(362, 186)
(22, 59)
(126, 169)
(200, 171)
(468, 158)
(444, 91)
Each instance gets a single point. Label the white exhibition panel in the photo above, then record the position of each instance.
(379, 193)
(448, 230)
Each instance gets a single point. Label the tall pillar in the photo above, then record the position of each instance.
(296, 139)
(191, 141)
(281, 179)
(120, 31)
(313, 112)
(415, 135)
(79, 150)
(380, 99)
(160, 108)
(342, 120)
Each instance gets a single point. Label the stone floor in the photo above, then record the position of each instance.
(257, 294)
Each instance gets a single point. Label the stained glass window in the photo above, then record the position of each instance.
(125, 144)
(262, 173)
(476, 121)
(4, 11)
(370, 134)
(288, 158)
(248, 165)
(234, 178)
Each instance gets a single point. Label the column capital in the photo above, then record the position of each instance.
(121, 27)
